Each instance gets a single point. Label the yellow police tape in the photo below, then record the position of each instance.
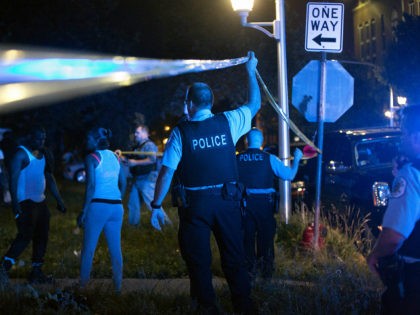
(279, 111)
(151, 153)
(44, 76)
(32, 76)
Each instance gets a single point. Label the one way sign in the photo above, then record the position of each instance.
(324, 27)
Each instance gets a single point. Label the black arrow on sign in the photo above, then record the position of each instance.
(319, 39)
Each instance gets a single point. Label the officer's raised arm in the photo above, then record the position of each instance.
(254, 95)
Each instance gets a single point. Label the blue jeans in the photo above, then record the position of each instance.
(106, 217)
(142, 190)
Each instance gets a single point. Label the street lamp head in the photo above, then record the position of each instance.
(242, 5)
(401, 100)
(388, 114)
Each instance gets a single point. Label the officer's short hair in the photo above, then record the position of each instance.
(411, 118)
(143, 127)
(200, 94)
(255, 137)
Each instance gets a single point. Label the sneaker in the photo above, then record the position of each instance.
(4, 277)
(38, 277)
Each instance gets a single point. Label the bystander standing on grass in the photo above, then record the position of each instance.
(31, 172)
(102, 209)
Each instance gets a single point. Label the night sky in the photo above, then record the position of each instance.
(184, 29)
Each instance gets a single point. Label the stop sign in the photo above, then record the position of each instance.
(339, 90)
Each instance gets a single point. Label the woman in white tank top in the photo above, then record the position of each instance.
(103, 209)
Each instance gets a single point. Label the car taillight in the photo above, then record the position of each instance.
(380, 193)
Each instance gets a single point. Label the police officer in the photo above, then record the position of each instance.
(144, 174)
(257, 170)
(396, 254)
(203, 150)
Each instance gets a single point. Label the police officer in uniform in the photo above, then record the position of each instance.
(396, 254)
(144, 173)
(203, 151)
(257, 170)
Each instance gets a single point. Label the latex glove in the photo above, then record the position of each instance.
(252, 62)
(297, 155)
(81, 218)
(158, 218)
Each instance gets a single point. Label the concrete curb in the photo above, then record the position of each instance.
(157, 286)
(160, 286)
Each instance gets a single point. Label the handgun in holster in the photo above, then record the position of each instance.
(235, 191)
(391, 271)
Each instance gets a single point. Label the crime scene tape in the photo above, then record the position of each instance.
(31, 76)
(279, 111)
(151, 153)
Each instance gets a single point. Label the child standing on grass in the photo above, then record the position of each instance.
(102, 210)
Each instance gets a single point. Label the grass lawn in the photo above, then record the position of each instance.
(333, 281)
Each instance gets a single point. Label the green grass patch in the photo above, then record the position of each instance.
(333, 280)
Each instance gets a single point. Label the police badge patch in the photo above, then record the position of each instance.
(398, 187)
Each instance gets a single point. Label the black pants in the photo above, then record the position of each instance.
(207, 212)
(260, 229)
(393, 304)
(33, 225)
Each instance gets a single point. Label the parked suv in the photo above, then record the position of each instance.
(357, 164)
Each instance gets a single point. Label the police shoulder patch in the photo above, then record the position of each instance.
(398, 188)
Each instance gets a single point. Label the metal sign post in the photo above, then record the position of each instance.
(320, 144)
(324, 33)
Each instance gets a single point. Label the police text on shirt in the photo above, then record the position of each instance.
(209, 142)
(251, 157)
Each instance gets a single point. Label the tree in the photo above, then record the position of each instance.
(402, 63)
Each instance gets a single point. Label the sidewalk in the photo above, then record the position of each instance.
(159, 286)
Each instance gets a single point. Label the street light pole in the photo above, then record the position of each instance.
(392, 108)
(243, 7)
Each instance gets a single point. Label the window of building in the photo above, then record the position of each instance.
(411, 7)
(394, 18)
(367, 31)
(368, 51)
(382, 24)
(361, 33)
(367, 40)
(361, 39)
(372, 29)
(373, 47)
